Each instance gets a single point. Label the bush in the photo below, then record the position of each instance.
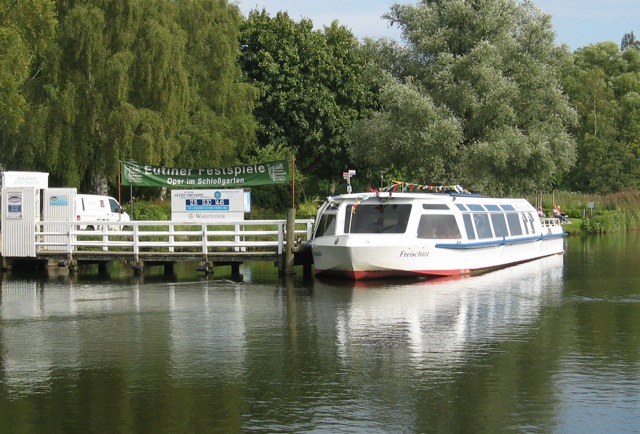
(308, 209)
(590, 226)
(151, 210)
(604, 221)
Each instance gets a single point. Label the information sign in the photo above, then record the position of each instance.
(203, 205)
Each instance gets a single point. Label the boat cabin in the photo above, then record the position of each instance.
(439, 217)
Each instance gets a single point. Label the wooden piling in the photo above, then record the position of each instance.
(290, 241)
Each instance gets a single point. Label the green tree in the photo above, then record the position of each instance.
(112, 88)
(411, 135)
(493, 68)
(604, 83)
(152, 80)
(220, 127)
(26, 30)
(629, 41)
(311, 90)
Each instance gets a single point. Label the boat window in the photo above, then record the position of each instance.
(483, 228)
(524, 223)
(434, 206)
(438, 226)
(473, 207)
(499, 225)
(507, 207)
(370, 219)
(514, 223)
(461, 207)
(326, 225)
(468, 225)
(492, 207)
(531, 222)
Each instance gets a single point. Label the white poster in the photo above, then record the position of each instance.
(14, 205)
(207, 205)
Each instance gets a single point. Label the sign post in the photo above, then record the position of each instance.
(347, 176)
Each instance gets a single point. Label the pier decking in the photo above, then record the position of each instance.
(149, 243)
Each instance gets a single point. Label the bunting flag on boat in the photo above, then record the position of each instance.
(359, 200)
(424, 188)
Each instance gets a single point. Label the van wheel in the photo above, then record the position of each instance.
(89, 228)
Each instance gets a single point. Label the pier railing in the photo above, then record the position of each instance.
(170, 237)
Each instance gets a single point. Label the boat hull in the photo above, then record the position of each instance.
(358, 259)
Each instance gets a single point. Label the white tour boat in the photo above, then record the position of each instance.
(414, 230)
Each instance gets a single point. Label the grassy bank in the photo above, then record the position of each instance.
(595, 214)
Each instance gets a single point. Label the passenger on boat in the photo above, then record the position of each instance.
(451, 231)
(557, 213)
(540, 212)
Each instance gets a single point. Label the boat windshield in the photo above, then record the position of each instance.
(327, 225)
(372, 219)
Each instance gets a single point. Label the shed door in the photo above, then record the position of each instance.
(20, 211)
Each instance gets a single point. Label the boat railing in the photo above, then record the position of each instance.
(548, 222)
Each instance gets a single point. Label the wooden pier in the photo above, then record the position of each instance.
(144, 244)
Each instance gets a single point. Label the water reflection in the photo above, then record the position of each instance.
(527, 348)
(439, 355)
(206, 335)
(437, 319)
(162, 328)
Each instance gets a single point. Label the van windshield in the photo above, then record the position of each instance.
(115, 208)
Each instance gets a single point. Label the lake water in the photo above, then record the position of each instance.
(551, 346)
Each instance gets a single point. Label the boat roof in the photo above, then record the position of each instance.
(405, 191)
(405, 187)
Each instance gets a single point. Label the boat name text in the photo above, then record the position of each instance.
(419, 254)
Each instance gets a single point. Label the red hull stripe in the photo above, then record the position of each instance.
(377, 274)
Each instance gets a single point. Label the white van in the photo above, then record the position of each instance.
(94, 208)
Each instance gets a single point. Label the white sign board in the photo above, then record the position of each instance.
(25, 179)
(204, 205)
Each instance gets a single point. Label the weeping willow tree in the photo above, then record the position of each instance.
(27, 28)
(155, 81)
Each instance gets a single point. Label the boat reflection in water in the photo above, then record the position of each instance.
(437, 322)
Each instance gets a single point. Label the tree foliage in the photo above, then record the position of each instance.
(491, 69)
(26, 30)
(604, 85)
(411, 135)
(311, 89)
(156, 81)
(629, 41)
(221, 125)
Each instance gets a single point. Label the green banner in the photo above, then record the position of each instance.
(273, 172)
